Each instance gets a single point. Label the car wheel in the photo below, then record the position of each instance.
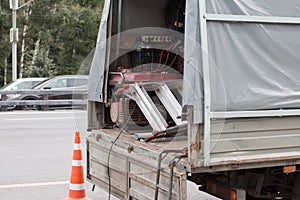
(31, 107)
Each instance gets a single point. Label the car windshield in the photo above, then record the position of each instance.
(62, 82)
(24, 85)
(39, 85)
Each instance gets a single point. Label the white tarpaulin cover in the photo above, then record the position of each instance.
(253, 66)
(96, 76)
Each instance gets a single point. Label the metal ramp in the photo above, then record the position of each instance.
(152, 114)
(170, 102)
(139, 94)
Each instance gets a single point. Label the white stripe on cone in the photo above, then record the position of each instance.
(77, 147)
(76, 186)
(77, 163)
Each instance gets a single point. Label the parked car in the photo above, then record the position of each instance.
(68, 83)
(19, 84)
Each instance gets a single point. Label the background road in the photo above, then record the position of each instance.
(36, 153)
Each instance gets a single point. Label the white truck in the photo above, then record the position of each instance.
(203, 91)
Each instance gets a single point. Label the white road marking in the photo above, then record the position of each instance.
(29, 119)
(41, 112)
(33, 184)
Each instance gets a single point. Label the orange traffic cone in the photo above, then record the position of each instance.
(76, 190)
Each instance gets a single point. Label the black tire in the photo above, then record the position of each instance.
(31, 107)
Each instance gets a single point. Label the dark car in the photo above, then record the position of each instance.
(68, 83)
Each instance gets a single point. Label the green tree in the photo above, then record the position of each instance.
(5, 46)
(65, 29)
(78, 32)
(55, 36)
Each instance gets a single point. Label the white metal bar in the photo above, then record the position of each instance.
(14, 40)
(154, 107)
(148, 108)
(253, 19)
(170, 102)
(206, 81)
(263, 113)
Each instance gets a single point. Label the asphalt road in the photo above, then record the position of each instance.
(36, 153)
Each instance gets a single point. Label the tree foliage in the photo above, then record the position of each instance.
(5, 47)
(59, 34)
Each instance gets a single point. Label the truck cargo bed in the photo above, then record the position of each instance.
(132, 167)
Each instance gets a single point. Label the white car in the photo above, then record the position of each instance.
(19, 84)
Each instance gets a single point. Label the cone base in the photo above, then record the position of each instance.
(68, 198)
